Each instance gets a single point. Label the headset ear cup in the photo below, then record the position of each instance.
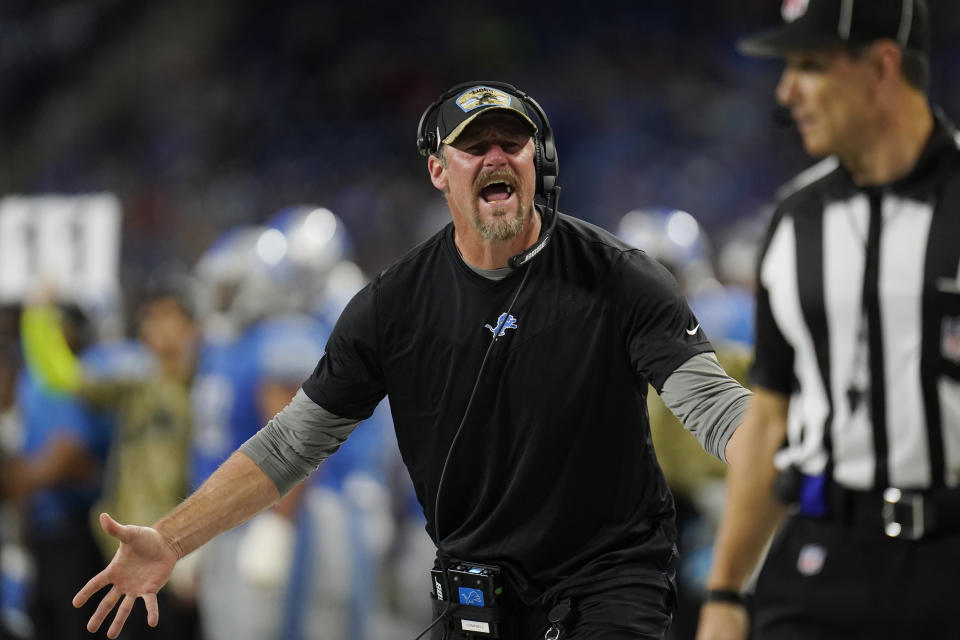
(546, 166)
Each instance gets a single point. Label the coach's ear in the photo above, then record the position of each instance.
(438, 172)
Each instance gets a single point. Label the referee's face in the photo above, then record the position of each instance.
(832, 98)
(489, 176)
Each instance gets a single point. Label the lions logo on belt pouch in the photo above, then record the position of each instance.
(479, 96)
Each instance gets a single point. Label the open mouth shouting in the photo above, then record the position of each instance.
(496, 187)
(498, 214)
(496, 191)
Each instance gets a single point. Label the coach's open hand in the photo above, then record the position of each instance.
(141, 566)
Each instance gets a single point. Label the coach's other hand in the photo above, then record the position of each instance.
(141, 566)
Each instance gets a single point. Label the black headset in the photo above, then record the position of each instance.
(545, 160)
(545, 154)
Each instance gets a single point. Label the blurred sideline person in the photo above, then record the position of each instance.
(858, 348)
(55, 477)
(522, 425)
(292, 566)
(238, 288)
(146, 384)
(15, 564)
(677, 241)
(344, 528)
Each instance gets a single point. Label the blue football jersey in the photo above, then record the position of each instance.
(224, 405)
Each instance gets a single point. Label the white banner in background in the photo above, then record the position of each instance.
(69, 242)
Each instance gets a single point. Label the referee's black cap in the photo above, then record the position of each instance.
(814, 24)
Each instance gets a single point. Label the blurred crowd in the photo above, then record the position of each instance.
(208, 121)
(203, 116)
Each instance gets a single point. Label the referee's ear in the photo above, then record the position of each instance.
(885, 60)
(437, 167)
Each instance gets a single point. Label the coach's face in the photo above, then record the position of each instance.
(831, 98)
(488, 176)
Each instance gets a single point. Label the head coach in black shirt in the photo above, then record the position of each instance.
(858, 346)
(516, 347)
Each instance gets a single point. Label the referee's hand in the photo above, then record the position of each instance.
(141, 566)
(722, 621)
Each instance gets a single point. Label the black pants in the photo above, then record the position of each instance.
(636, 611)
(834, 580)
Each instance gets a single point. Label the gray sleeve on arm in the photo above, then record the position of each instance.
(294, 443)
(708, 402)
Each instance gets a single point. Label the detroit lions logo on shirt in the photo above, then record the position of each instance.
(504, 322)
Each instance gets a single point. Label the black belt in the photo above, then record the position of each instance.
(898, 513)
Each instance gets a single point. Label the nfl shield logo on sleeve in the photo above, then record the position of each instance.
(811, 559)
(950, 339)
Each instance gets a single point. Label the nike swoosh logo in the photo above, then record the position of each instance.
(693, 331)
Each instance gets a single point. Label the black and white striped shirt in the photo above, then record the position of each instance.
(858, 321)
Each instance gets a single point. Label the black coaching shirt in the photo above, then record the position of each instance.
(553, 476)
(858, 321)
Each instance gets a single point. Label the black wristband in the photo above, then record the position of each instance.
(726, 595)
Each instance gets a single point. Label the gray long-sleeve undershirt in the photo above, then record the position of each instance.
(708, 402)
(294, 443)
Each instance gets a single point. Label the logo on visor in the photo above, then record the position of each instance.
(480, 96)
(793, 9)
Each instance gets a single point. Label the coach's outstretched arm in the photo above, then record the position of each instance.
(143, 563)
(751, 515)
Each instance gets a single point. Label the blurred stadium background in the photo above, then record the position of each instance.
(200, 116)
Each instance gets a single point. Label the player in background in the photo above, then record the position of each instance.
(679, 242)
(272, 285)
(344, 526)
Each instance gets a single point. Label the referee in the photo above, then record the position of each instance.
(858, 347)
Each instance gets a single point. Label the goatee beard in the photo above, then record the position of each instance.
(500, 228)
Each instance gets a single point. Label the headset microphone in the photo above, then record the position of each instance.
(550, 221)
